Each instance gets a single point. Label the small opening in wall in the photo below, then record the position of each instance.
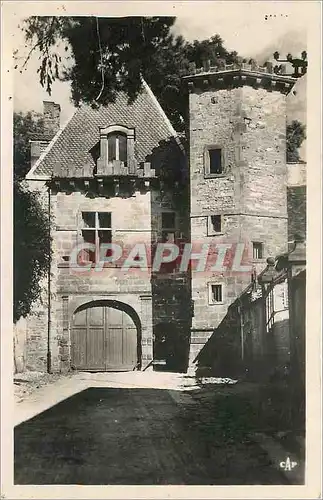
(257, 250)
(216, 293)
(216, 223)
(215, 158)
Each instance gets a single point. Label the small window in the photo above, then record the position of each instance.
(215, 293)
(214, 224)
(257, 251)
(215, 161)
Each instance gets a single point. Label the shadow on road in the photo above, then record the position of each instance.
(140, 436)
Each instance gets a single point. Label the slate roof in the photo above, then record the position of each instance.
(71, 147)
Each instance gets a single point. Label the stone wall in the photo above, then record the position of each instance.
(249, 125)
(131, 224)
(253, 339)
(135, 220)
(170, 287)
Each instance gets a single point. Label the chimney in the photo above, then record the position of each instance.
(39, 142)
(52, 115)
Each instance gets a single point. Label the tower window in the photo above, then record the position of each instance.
(215, 293)
(214, 225)
(215, 159)
(257, 250)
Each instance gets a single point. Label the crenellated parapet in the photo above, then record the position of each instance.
(237, 75)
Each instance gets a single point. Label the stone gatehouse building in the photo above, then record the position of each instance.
(121, 174)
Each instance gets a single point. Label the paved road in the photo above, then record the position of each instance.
(139, 436)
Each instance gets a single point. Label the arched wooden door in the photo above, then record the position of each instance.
(103, 338)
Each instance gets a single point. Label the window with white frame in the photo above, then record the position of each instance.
(214, 225)
(96, 228)
(215, 293)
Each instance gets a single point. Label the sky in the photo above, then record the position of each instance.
(253, 29)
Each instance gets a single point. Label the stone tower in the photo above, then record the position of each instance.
(238, 179)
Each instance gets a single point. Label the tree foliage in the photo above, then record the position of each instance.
(32, 242)
(295, 135)
(108, 55)
(111, 54)
(25, 127)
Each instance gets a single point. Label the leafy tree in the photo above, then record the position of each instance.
(117, 52)
(295, 135)
(25, 127)
(32, 249)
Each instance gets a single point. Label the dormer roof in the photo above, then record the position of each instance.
(71, 148)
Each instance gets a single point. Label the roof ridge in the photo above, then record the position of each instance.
(29, 175)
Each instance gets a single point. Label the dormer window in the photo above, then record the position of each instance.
(116, 151)
(117, 147)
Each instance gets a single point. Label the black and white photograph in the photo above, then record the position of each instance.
(161, 289)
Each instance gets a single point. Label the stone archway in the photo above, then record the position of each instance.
(105, 336)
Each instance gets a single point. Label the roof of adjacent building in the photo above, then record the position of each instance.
(71, 147)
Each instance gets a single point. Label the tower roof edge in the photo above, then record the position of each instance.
(239, 75)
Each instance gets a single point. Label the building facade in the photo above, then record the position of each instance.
(115, 175)
(120, 175)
